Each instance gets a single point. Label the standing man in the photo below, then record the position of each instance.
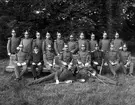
(104, 43)
(22, 59)
(46, 42)
(113, 59)
(36, 61)
(27, 43)
(97, 59)
(83, 41)
(93, 42)
(73, 47)
(58, 44)
(84, 64)
(13, 43)
(37, 42)
(126, 62)
(117, 42)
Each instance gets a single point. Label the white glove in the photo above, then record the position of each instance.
(69, 66)
(94, 73)
(9, 54)
(96, 63)
(39, 64)
(87, 65)
(33, 63)
(64, 63)
(50, 64)
(105, 64)
(17, 48)
(120, 48)
(57, 82)
(79, 62)
(24, 63)
(19, 64)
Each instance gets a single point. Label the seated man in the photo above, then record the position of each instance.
(126, 62)
(113, 59)
(48, 58)
(97, 57)
(84, 64)
(66, 71)
(21, 62)
(36, 62)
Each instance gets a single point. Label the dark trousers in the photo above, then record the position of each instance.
(61, 75)
(33, 68)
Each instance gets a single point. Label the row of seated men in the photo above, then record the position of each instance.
(69, 67)
(93, 60)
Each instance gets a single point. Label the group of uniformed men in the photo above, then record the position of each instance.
(91, 57)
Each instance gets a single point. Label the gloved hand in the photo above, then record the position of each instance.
(19, 64)
(87, 64)
(64, 63)
(9, 54)
(24, 63)
(33, 63)
(105, 64)
(96, 63)
(39, 64)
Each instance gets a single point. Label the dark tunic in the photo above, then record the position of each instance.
(12, 44)
(58, 46)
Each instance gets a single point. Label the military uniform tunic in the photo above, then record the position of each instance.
(58, 46)
(104, 44)
(92, 44)
(45, 43)
(117, 44)
(85, 42)
(72, 46)
(125, 56)
(37, 42)
(12, 44)
(27, 45)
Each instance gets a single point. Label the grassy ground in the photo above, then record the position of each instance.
(89, 93)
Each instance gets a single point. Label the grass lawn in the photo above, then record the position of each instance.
(89, 93)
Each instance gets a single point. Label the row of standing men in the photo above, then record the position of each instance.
(115, 56)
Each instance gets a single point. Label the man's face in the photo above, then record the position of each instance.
(116, 36)
(112, 48)
(71, 38)
(104, 36)
(82, 35)
(36, 50)
(58, 35)
(92, 37)
(66, 47)
(124, 48)
(26, 35)
(21, 48)
(13, 33)
(97, 48)
(49, 48)
(38, 35)
(48, 36)
(83, 48)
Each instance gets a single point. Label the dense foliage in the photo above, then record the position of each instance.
(67, 16)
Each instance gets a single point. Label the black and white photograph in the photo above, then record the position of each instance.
(67, 52)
